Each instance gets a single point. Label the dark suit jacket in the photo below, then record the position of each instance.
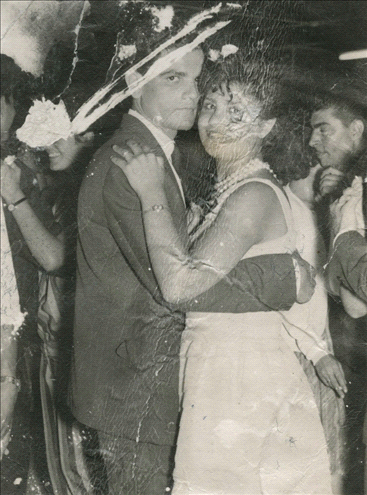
(126, 338)
(348, 263)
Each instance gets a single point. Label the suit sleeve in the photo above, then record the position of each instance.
(261, 283)
(348, 263)
(123, 213)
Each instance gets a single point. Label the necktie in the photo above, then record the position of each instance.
(176, 159)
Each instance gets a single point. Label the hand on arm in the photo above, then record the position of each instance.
(46, 248)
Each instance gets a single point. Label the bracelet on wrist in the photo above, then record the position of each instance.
(11, 379)
(156, 208)
(12, 206)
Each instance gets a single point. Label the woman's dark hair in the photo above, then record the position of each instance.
(286, 148)
(21, 87)
(15, 82)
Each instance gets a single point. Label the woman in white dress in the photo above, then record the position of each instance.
(249, 424)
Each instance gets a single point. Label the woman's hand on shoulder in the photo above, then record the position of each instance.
(143, 169)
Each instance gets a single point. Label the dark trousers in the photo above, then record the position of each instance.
(136, 468)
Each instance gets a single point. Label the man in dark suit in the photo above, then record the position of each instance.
(126, 337)
(340, 139)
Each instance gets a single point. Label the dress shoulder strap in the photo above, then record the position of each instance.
(281, 195)
(211, 216)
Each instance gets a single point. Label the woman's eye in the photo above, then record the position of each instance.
(209, 106)
(172, 78)
(236, 113)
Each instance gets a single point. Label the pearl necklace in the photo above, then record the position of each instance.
(252, 167)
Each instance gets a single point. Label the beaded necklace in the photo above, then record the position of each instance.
(218, 198)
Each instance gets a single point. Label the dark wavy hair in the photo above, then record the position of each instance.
(286, 148)
(21, 87)
(15, 82)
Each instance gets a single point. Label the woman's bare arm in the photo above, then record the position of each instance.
(250, 215)
(47, 249)
(242, 222)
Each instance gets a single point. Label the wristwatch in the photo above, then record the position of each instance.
(12, 206)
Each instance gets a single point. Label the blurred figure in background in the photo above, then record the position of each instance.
(36, 245)
(292, 160)
(40, 214)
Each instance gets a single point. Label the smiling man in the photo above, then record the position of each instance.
(126, 337)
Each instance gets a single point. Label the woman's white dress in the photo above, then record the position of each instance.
(249, 424)
(311, 335)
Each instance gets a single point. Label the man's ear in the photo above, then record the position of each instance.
(357, 128)
(266, 127)
(132, 77)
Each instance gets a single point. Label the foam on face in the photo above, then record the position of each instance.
(45, 124)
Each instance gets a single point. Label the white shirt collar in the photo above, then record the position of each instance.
(165, 142)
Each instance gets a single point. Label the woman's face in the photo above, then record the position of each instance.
(63, 152)
(229, 123)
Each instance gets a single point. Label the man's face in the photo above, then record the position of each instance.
(332, 139)
(170, 99)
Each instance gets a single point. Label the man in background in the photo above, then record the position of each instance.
(339, 139)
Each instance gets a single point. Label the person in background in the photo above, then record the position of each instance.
(36, 245)
(292, 160)
(339, 138)
(64, 164)
(40, 216)
(347, 267)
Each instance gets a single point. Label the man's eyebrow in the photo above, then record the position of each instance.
(172, 72)
(319, 124)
